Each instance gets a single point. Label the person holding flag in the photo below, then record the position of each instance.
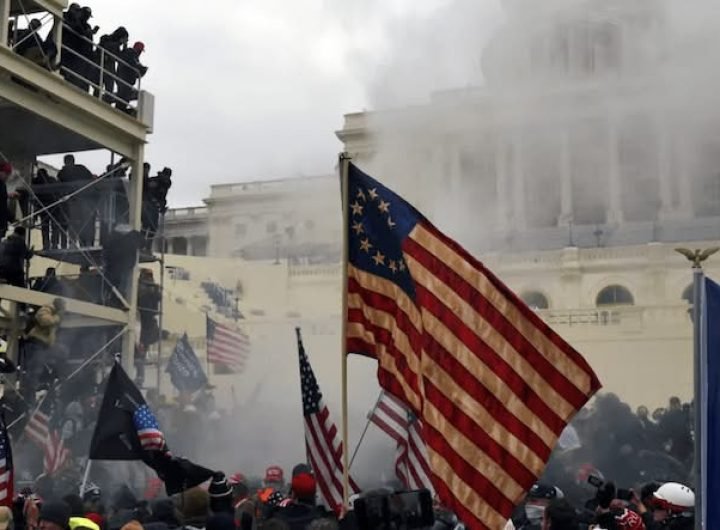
(128, 430)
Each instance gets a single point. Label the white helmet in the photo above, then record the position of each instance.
(675, 498)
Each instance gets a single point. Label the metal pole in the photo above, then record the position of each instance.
(698, 278)
(344, 169)
(162, 299)
(88, 465)
(365, 430)
(4, 20)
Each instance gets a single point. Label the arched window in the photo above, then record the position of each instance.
(614, 295)
(535, 300)
(687, 294)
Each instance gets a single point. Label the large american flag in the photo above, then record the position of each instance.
(323, 446)
(411, 464)
(42, 428)
(493, 385)
(6, 467)
(226, 347)
(148, 429)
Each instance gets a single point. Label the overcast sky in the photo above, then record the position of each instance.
(254, 89)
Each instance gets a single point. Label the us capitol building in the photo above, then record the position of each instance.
(569, 173)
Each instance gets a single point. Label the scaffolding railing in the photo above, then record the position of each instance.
(98, 71)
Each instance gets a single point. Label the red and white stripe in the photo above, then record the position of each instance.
(493, 385)
(151, 439)
(6, 483)
(411, 464)
(228, 347)
(37, 427)
(56, 455)
(324, 449)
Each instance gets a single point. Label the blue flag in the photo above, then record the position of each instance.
(710, 403)
(184, 367)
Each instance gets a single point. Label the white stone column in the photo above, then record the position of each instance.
(518, 174)
(614, 209)
(189, 240)
(566, 207)
(664, 153)
(502, 183)
(684, 177)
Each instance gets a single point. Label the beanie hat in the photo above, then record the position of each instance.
(57, 512)
(95, 518)
(274, 474)
(193, 503)
(82, 522)
(304, 486)
(219, 486)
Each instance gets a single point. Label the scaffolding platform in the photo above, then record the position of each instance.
(90, 256)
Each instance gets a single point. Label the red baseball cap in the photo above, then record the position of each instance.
(303, 485)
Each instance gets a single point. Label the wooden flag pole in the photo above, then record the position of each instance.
(344, 167)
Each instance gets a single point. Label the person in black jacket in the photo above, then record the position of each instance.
(13, 253)
(129, 71)
(114, 45)
(83, 206)
(302, 510)
(50, 232)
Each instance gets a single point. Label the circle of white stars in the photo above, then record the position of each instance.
(370, 200)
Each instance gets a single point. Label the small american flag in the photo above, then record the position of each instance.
(411, 465)
(148, 429)
(6, 467)
(227, 347)
(37, 427)
(41, 429)
(55, 455)
(324, 449)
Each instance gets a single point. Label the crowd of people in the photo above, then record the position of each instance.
(109, 65)
(625, 472)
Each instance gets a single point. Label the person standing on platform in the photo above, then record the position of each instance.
(39, 352)
(50, 232)
(129, 71)
(13, 254)
(81, 206)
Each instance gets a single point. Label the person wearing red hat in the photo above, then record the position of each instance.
(129, 70)
(301, 510)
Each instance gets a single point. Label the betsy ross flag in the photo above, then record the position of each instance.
(493, 385)
(43, 429)
(411, 464)
(226, 347)
(6, 467)
(128, 430)
(323, 446)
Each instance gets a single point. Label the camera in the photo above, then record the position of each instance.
(394, 511)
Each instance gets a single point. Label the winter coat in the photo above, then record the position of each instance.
(13, 253)
(47, 320)
(130, 70)
(74, 173)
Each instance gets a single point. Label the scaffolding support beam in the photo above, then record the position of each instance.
(26, 296)
(135, 199)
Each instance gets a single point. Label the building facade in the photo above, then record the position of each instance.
(573, 173)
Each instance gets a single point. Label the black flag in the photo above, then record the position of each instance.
(127, 430)
(184, 368)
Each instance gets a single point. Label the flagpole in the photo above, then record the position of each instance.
(86, 476)
(697, 257)
(698, 277)
(365, 430)
(344, 168)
